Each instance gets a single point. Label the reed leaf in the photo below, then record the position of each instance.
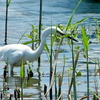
(64, 58)
(77, 57)
(28, 42)
(86, 47)
(70, 20)
(22, 71)
(84, 39)
(9, 1)
(47, 49)
(98, 98)
(22, 36)
(29, 36)
(40, 25)
(77, 23)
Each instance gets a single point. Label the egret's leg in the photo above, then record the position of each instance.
(11, 70)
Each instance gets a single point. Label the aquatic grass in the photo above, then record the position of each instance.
(51, 68)
(59, 86)
(22, 69)
(22, 75)
(85, 41)
(33, 35)
(69, 26)
(49, 54)
(53, 75)
(75, 63)
(60, 79)
(28, 42)
(40, 24)
(74, 76)
(96, 96)
(96, 85)
(6, 19)
(97, 30)
(55, 66)
(22, 36)
(6, 22)
(64, 62)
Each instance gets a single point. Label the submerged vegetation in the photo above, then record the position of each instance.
(56, 80)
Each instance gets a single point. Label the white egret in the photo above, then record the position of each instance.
(14, 53)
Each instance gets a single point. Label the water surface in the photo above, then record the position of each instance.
(23, 14)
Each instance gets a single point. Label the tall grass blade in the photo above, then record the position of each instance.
(28, 42)
(51, 69)
(22, 36)
(59, 85)
(22, 74)
(77, 23)
(74, 77)
(47, 49)
(67, 27)
(76, 60)
(63, 67)
(60, 80)
(70, 20)
(40, 21)
(9, 1)
(97, 97)
(86, 47)
(84, 39)
(22, 70)
(54, 71)
(6, 22)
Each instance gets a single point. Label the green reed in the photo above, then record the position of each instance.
(85, 41)
(60, 77)
(50, 54)
(51, 69)
(40, 24)
(6, 19)
(22, 75)
(69, 26)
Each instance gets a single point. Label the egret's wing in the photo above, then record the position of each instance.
(11, 56)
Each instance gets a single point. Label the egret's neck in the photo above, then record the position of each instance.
(40, 49)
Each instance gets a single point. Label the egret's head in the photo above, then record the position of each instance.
(51, 30)
(54, 30)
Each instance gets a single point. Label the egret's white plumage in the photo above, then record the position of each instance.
(14, 53)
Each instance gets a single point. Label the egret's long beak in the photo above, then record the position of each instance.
(72, 38)
(69, 37)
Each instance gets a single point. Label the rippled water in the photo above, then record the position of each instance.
(23, 14)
